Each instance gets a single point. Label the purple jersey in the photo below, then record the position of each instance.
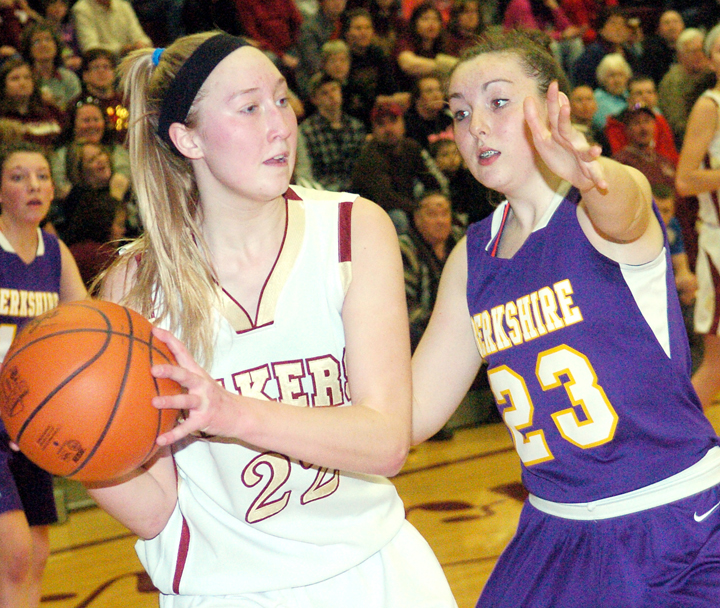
(588, 360)
(27, 290)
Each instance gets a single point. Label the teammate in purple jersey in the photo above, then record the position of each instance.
(567, 292)
(36, 272)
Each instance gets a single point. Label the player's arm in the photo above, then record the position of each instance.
(71, 284)
(144, 500)
(616, 206)
(447, 360)
(690, 179)
(370, 436)
(619, 221)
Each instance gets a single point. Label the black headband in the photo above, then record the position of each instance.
(190, 77)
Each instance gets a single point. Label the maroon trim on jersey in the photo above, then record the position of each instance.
(181, 556)
(493, 253)
(254, 320)
(713, 193)
(291, 195)
(715, 275)
(344, 231)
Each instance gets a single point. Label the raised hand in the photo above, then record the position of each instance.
(563, 148)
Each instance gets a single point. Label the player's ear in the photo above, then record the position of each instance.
(184, 140)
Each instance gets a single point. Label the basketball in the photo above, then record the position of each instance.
(76, 390)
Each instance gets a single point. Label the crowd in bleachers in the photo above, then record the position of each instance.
(367, 80)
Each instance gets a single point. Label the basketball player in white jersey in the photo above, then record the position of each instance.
(272, 490)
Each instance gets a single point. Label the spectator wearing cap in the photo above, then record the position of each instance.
(392, 169)
(331, 139)
(640, 152)
(641, 90)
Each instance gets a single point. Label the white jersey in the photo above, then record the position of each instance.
(249, 520)
(707, 299)
(708, 210)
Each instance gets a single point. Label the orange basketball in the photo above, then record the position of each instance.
(75, 390)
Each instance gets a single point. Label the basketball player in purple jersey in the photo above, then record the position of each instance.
(36, 272)
(567, 292)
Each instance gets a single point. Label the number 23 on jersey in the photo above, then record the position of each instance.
(559, 367)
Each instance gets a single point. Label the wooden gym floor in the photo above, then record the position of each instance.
(463, 495)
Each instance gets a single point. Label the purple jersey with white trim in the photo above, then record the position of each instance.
(27, 290)
(588, 360)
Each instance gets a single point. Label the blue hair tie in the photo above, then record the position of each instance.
(156, 55)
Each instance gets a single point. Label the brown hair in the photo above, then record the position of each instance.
(530, 50)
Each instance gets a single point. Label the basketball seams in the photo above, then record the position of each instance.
(151, 350)
(118, 397)
(113, 332)
(89, 416)
(62, 385)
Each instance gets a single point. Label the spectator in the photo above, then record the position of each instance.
(685, 279)
(161, 20)
(584, 15)
(547, 16)
(94, 235)
(371, 70)
(335, 60)
(659, 50)
(332, 139)
(391, 167)
(21, 101)
(98, 74)
(582, 109)
(471, 200)
(678, 87)
(428, 114)
(421, 50)
(14, 16)
(57, 14)
(697, 13)
(87, 125)
(641, 91)
(108, 24)
(315, 31)
(640, 150)
(466, 23)
(41, 47)
(613, 74)
(425, 247)
(387, 22)
(613, 37)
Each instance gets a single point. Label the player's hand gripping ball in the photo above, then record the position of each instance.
(76, 391)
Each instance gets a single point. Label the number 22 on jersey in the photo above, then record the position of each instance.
(560, 367)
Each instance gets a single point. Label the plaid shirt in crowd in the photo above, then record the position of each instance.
(333, 152)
